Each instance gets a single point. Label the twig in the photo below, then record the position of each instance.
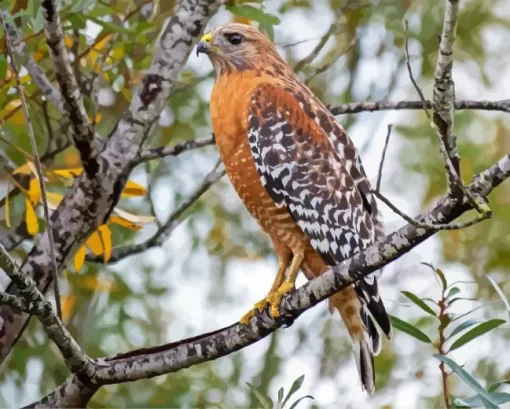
(164, 151)
(83, 134)
(428, 226)
(76, 360)
(318, 48)
(40, 174)
(172, 222)
(149, 196)
(451, 172)
(383, 156)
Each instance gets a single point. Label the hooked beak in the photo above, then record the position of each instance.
(204, 46)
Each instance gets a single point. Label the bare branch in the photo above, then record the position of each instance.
(164, 151)
(452, 174)
(318, 48)
(40, 174)
(416, 223)
(383, 156)
(444, 89)
(357, 107)
(83, 134)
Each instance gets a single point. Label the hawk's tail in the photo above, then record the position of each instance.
(366, 341)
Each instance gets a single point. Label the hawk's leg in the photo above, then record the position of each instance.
(288, 285)
(279, 288)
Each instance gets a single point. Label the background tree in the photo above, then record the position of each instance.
(178, 256)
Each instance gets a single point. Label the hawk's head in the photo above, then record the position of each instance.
(237, 47)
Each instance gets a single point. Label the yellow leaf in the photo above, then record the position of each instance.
(38, 55)
(94, 244)
(67, 303)
(34, 191)
(133, 189)
(53, 199)
(133, 217)
(7, 209)
(31, 218)
(124, 223)
(69, 41)
(68, 173)
(106, 237)
(23, 170)
(79, 258)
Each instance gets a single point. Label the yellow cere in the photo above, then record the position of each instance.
(206, 38)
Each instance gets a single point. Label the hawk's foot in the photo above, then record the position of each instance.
(273, 299)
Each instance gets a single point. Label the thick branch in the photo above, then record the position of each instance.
(83, 134)
(89, 203)
(75, 359)
(444, 88)
(146, 363)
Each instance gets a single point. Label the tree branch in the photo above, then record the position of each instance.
(88, 204)
(40, 174)
(164, 151)
(77, 361)
(357, 107)
(146, 363)
(83, 134)
(444, 89)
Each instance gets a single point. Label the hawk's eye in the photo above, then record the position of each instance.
(234, 38)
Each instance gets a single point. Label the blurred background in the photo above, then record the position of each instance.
(213, 262)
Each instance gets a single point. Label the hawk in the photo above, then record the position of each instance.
(299, 174)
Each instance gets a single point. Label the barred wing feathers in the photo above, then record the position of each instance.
(303, 164)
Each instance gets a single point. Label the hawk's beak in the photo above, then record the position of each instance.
(205, 46)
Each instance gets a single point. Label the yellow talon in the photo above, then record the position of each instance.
(260, 306)
(273, 299)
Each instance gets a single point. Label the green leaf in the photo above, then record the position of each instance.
(442, 277)
(254, 14)
(437, 271)
(265, 401)
(500, 293)
(280, 398)
(419, 302)
(453, 291)
(476, 332)
(409, 329)
(466, 324)
(477, 402)
(294, 388)
(469, 380)
(294, 405)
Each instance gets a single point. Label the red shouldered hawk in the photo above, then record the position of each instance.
(298, 174)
